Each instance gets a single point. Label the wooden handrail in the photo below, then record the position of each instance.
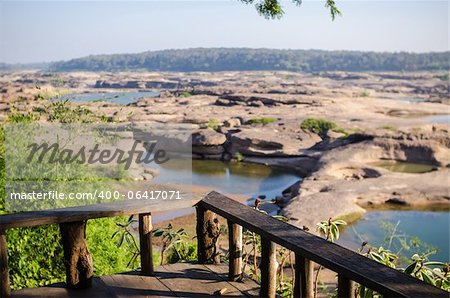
(349, 265)
(72, 222)
(72, 214)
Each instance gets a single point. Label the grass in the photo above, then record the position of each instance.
(389, 127)
(213, 123)
(321, 126)
(57, 111)
(185, 94)
(46, 94)
(263, 121)
(443, 77)
(239, 157)
(363, 94)
(350, 217)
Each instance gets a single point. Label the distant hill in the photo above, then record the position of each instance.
(222, 59)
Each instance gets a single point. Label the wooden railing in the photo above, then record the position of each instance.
(307, 247)
(72, 222)
(350, 266)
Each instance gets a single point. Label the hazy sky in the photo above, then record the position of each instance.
(35, 31)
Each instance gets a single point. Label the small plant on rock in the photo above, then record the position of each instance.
(263, 121)
(321, 126)
(213, 123)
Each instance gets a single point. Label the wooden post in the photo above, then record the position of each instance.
(208, 231)
(145, 241)
(304, 280)
(346, 287)
(5, 288)
(77, 259)
(235, 251)
(268, 269)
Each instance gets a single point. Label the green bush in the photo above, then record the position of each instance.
(185, 94)
(317, 125)
(186, 252)
(443, 77)
(363, 94)
(239, 157)
(389, 127)
(263, 121)
(213, 123)
(35, 254)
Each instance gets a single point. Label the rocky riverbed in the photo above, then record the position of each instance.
(257, 116)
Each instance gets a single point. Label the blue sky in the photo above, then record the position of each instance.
(35, 31)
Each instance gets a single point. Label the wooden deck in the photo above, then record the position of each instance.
(175, 280)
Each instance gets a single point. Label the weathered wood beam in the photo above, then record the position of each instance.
(208, 231)
(373, 275)
(346, 287)
(235, 251)
(304, 280)
(5, 288)
(145, 241)
(77, 259)
(268, 268)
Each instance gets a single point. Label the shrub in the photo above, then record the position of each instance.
(185, 94)
(213, 123)
(35, 254)
(319, 126)
(239, 157)
(263, 121)
(389, 127)
(443, 77)
(363, 94)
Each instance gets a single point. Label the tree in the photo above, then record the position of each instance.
(271, 9)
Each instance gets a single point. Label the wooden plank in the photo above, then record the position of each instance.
(189, 280)
(246, 286)
(304, 280)
(387, 281)
(268, 268)
(145, 241)
(71, 214)
(59, 290)
(194, 280)
(234, 251)
(346, 287)
(5, 288)
(132, 285)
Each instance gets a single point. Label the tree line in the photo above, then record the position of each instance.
(245, 59)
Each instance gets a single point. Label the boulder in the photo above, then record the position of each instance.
(269, 142)
(233, 122)
(208, 143)
(207, 137)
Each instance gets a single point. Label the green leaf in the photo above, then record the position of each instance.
(130, 219)
(158, 232)
(340, 222)
(335, 231)
(115, 233)
(410, 268)
(427, 278)
(435, 264)
(120, 240)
